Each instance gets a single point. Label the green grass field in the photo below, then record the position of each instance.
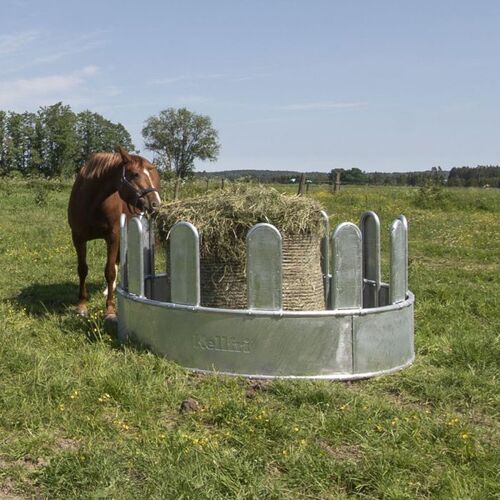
(82, 417)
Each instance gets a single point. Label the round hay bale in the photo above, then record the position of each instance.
(223, 219)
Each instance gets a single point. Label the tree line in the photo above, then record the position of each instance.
(479, 176)
(347, 176)
(55, 141)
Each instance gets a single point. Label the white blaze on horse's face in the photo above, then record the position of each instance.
(146, 172)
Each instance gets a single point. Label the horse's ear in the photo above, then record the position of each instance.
(124, 154)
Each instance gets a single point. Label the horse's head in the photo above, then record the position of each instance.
(140, 182)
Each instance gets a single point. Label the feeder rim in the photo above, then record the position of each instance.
(410, 299)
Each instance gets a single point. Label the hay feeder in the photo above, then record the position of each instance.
(365, 328)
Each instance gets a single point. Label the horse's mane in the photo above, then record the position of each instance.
(99, 164)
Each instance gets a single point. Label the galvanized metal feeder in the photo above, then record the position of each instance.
(366, 328)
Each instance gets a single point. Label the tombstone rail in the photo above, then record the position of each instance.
(366, 328)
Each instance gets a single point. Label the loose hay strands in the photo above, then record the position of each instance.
(223, 218)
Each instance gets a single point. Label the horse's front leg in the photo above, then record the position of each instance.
(110, 272)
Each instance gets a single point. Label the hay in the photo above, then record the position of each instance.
(223, 219)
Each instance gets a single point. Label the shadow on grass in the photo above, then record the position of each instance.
(59, 300)
(52, 298)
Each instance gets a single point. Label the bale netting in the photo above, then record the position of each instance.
(223, 219)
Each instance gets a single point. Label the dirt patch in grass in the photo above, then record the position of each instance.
(8, 488)
(254, 388)
(32, 464)
(67, 444)
(342, 452)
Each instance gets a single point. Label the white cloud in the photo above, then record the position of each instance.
(187, 100)
(321, 106)
(28, 91)
(203, 77)
(82, 44)
(13, 43)
(184, 78)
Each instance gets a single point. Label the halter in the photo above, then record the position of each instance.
(139, 193)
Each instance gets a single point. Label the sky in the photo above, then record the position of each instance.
(297, 85)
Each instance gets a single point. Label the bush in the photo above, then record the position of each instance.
(431, 195)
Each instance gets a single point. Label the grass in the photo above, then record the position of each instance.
(82, 417)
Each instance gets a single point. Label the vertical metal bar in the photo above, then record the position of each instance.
(370, 235)
(399, 262)
(325, 257)
(184, 264)
(150, 292)
(135, 256)
(151, 244)
(123, 252)
(264, 268)
(403, 219)
(347, 267)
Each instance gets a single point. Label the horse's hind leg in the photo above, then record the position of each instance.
(83, 269)
(110, 272)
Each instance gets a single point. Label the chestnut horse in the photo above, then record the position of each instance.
(108, 185)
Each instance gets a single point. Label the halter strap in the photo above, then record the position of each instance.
(139, 193)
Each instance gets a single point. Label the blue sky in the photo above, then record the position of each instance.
(302, 85)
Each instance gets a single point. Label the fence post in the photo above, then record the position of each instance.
(336, 187)
(302, 185)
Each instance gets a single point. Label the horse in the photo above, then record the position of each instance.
(108, 185)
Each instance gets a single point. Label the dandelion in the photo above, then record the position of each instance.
(61, 407)
(454, 421)
(296, 429)
(465, 436)
(74, 394)
(104, 397)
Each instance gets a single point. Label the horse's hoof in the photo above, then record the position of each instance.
(82, 312)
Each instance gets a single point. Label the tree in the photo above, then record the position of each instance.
(3, 143)
(96, 133)
(178, 137)
(55, 141)
(59, 141)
